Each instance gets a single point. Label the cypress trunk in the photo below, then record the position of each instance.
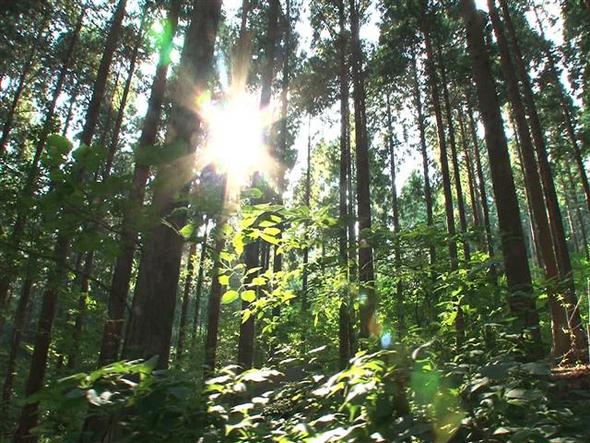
(117, 299)
(424, 153)
(579, 339)
(150, 326)
(442, 143)
(365, 251)
(455, 163)
(559, 328)
(56, 278)
(521, 297)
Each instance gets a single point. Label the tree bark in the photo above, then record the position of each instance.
(565, 108)
(365, 251)
(196, 328)
(455, 163)
(579, 339)
(113, 327)
(29, 414)
(252, 250)
(559, 329)
(482, 182)
(22, 83)
(521, 298)
(473, 192)
(214, 304)
(424, 153)
(186, 295)
(444, 162)
(152, 318)
(30, 187)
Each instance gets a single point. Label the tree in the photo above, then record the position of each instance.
(517, 270)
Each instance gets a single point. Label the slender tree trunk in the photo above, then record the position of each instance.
(199, 288)
(396, 217)
(186, 295)
(444, 162)
(106, 173)
(152, 318)
(124, 97)
(307, 202)
(30, 187)
(252, 250)
(70, 113)
(29, 414)
(113, 327)
(473, 193)
(214, 305)
(424, 153)
(455, 162)
(344, 339)
(559, 329)
(482, 183)
(17, 330)
(22, 83)
(365, 254)
(521, 298)
(565, 108)
(579, 217)
(103, 72)
(579, 339)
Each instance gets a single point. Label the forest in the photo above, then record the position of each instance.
(294, 221)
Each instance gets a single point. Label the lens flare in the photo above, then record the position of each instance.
(236, 145)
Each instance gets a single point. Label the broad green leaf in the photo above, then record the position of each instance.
(224, 280)
(248, 295)
(187, 231)
(229, 297)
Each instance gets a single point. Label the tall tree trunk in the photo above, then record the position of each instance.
(579, 217)
(307, 202)
(152, 318)
(70, 114)
(199, 288)
(365, 252)
(113, 327)
(424, 153)
(559, 329)
(471, 181)
(22, 83)
(29, 414)
(565, 108)
(442, 143)
(106, 173)
(30, 187)
(186, 295)
(214, 305)
(396, 217)
(579, 339)
(253, 249)
(17, 330)
(482, 182)
(455, 162)
(344, 339)
(521, 298)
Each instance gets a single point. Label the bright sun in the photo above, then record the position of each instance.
(236, 138)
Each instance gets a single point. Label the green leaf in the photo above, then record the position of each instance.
(187, 231)
(248, 296)
(258, 281)
(224, 280)
(229, 297)
(238, 242)
(270, 239)
(272, 231)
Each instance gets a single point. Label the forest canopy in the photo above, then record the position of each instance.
(294, 221)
